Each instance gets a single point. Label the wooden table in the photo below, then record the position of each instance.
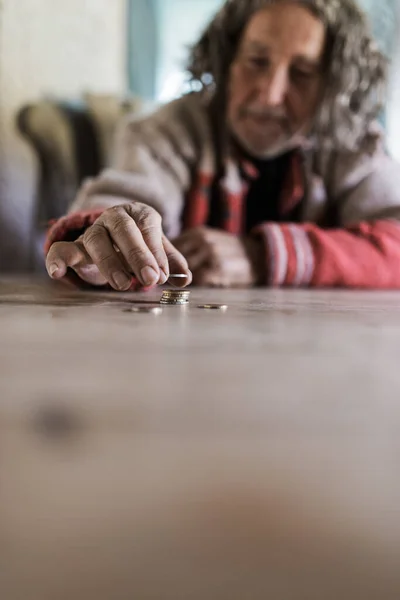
(199, 455)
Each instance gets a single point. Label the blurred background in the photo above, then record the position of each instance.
(70, 70)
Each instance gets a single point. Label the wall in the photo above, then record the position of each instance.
(48, 47)
(179, 24)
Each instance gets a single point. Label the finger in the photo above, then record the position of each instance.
(195, 248)
(90, 274)
(66, 257)
(99, 247)
(150, 225)
(208, 277)
(177, 263)
(189, 241)
(126, 235)
(191, 234)
(198, 259)
(63, 255)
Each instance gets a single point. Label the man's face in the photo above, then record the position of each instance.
(276, 80)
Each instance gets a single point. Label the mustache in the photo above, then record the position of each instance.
(278, 114)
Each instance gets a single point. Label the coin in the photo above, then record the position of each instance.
(155, 310)
(175, 292)
(213, 306)
(175, 297)
(172, 297)
(177, 276)
(173, 301)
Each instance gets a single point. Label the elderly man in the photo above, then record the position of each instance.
(274, 173)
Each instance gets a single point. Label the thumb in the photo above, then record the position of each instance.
(63, 255)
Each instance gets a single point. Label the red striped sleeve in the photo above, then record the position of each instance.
(70, 227)
(362, 256)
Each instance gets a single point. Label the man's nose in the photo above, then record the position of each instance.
(274, 87)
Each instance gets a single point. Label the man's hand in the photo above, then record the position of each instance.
(125, 241)
(220, 259)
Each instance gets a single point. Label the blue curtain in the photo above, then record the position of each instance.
(142, 47)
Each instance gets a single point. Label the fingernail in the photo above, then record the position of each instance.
(53, 268)
(121, 280)
(149, 276)
(163, 277)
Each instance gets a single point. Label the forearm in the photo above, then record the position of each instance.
(301, 255)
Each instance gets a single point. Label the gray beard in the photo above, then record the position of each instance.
(274, 151)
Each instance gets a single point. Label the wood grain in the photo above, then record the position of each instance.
(249, 454)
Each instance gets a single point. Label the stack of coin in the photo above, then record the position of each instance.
(175, 297)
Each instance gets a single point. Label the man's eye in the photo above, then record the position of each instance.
(301, 75)
(258, 63)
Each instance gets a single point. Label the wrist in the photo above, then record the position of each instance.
(255, 252)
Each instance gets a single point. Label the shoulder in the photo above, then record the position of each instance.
(344, 170)
(190, 112)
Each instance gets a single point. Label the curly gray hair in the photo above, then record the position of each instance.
(356, 70)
